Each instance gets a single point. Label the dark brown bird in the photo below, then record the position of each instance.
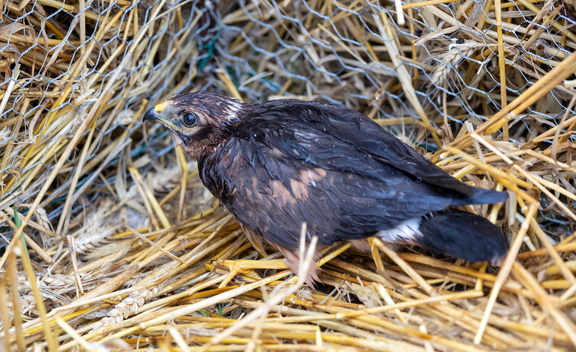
(282, 163)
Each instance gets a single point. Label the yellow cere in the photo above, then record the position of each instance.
(160, 107)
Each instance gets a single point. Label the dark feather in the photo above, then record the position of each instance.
(289, 162)
(463, 235)
(351, 127)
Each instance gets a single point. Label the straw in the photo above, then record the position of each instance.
(112, 241)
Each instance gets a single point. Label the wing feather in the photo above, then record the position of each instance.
(350, 126)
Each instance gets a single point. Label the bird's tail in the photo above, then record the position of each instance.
(481, 196)
(454, 233)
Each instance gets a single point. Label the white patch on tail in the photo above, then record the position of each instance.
(406, 232)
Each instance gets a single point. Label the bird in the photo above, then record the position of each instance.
(279, 164)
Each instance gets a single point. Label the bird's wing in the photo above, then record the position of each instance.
(365, 135)
(274, 175)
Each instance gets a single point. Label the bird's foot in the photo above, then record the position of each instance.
(245, 268)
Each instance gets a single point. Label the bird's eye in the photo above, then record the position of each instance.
(189, 119)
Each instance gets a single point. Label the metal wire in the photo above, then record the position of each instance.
(333, 51)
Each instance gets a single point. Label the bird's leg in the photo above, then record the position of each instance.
(255, 239)
(291, 261)
(246, 267)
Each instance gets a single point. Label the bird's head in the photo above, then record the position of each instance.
(198, 122)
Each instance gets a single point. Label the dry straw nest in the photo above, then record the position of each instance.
(111, 242)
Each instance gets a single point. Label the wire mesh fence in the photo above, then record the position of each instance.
(76, 77)
(64, 64)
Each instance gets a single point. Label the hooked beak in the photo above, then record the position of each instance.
(155, 114)
(151, 115)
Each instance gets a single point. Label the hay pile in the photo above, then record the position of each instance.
(111, 242)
